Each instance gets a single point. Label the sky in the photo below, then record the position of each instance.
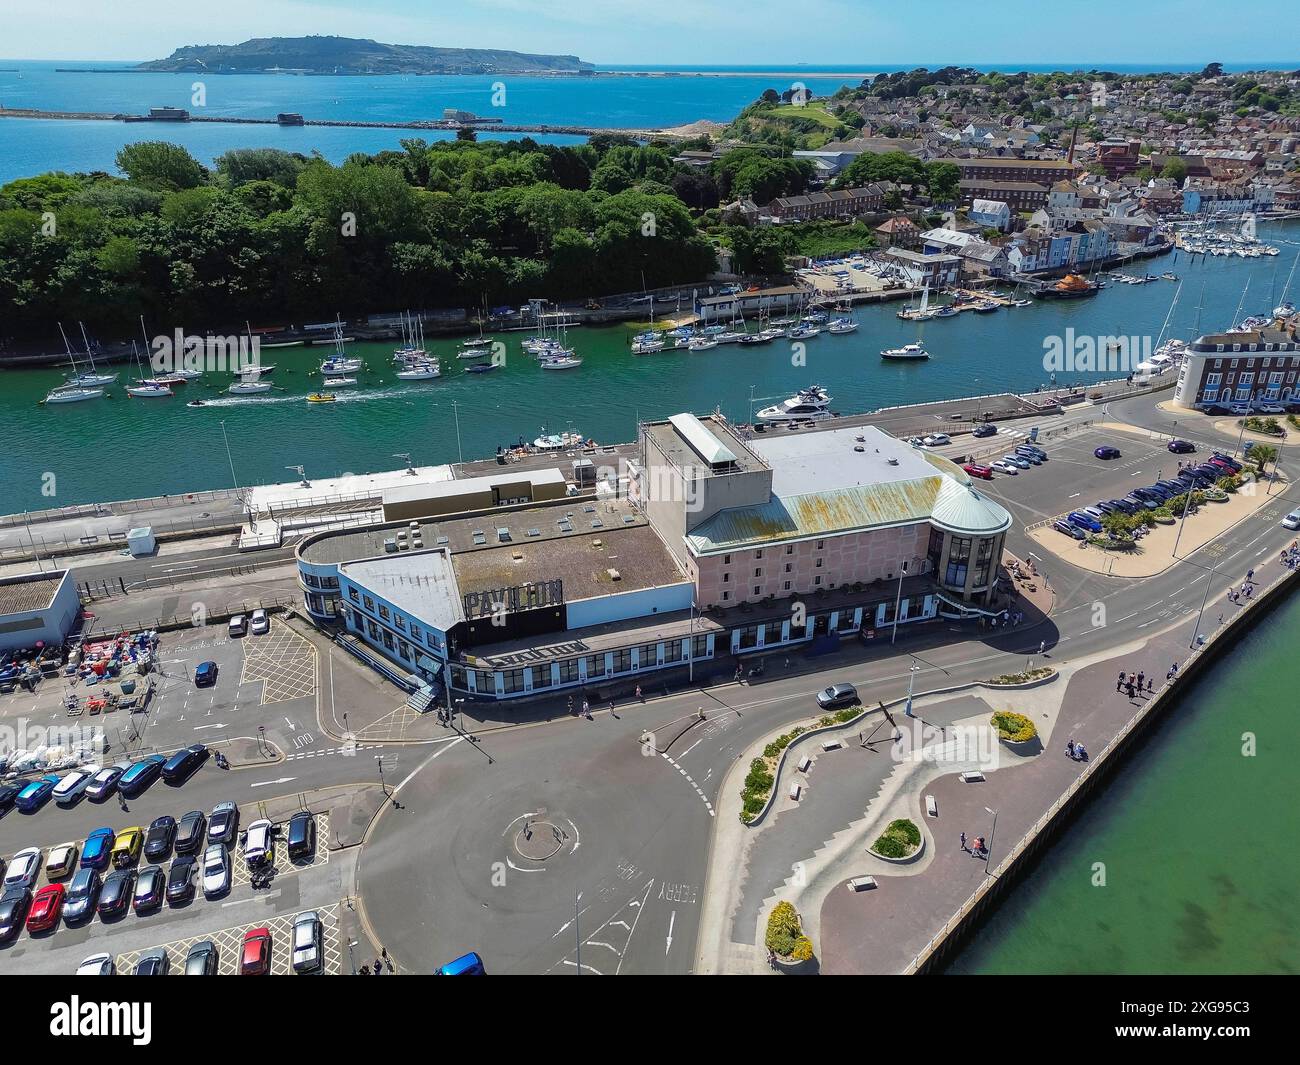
(856, 34)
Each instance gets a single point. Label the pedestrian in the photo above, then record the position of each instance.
(638, 693)
(1119, 684)
(1250, 574)
(1042, 646)
(570, 704)
(1081, 751)
(963, 842)
(1128, 688)
(1174, 669)
(586, 708)
(1151, 685)
(1069, 748)
(364, 971)
(1140, 682)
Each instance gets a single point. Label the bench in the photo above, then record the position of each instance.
(861, 883)
(795, 790)
(971, 776)
(830, 745)
(931, 807)
(805, 763)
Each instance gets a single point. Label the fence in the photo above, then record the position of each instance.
(121, 506)
(92, 591)
(98, 628)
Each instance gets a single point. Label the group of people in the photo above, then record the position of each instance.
(380, 963)
(974, 847)
(1007, 619)
(1291, 556)
(1077, 751)
(1135, 684)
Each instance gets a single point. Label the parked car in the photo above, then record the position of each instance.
(180, 765)
(1061, 525)
(1106, 506)
(223, 823)
(24, 868)
(466, 965)
(1096, 513)
(158, 842)
(259, 623)
(975, 469)
(985, 429)
(1228, 459)
(180, 880)
(14, 904)
(1225, 468)
(104, 783)
(8, 793)
(70, 788)
(916, 441)
(1031, 457)
(1003, 466)
(936, 440)
(1141, 501)
(202, 959)
(1016, 461)
(1033, 448)
(238, 626)
(141, 775)
(35, 794)
(97, 849)
(115, 895)
(126, 847)
(1271, 408)
(83, 893)
(308, 942)
(191, 831)
(153, 962)
(216, 871)
(302, 836)
(837, 695)
(1083, 521)
(97, 965)
(1106, 451)
(1292, 520)
(205, 674)
(1241, 408)
(150, 886)
(61, 861)
(46, 908)
(255, 957)
(259, 844)
(1181, 447)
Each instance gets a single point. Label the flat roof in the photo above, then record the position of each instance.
(324, 490)
(671, 439)
(27, 592)
(827, 460)
(419, 583)
(418, 490)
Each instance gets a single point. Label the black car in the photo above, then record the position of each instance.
(202, 960)
(987, 429)
(8, 793)
(191, 832)
(1181, 447)
(149, 889)
(180, 880)
(223, 823)
(158, 840)
(180, 765)
(153, 963)
(302, 836)
(115, 895)
(14, 905)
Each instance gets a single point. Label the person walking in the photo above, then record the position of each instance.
(963, 842)
(1140, 681)
(586, 708)
(1151, 685)
(1042, 647)
(1119, 684)
(1069, 748)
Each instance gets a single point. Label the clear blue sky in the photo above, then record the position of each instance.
(854, 34)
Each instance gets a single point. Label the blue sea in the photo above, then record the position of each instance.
(625, 99)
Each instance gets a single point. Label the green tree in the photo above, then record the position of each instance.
(161, 165)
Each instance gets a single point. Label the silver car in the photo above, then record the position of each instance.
(308, 942)
(24, 868)
(1016, 461)
(216, 871)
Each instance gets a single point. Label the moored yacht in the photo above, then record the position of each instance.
(73, 395)
(842, 325)
(250, 384)
(907, 351)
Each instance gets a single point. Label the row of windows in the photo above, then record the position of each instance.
(789, 550)
(312, 581)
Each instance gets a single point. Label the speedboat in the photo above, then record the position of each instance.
(149, 389)
(73, 395)
(482, 367)
(907, 351)
(321, 397)
(842, 325)
(811, 403)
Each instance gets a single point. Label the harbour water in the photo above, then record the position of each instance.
(1196, 839)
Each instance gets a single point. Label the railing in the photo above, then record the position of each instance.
(97, 628)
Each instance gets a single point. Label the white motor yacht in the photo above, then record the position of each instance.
(338, 382)
(808, 403)
(907, 351)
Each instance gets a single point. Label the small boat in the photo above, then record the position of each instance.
(907, 351)
(338, 382)
(771, 333)
(755, 338)
(337, 365)
(647, 345)
(842, 325)
(985, 307)
(257, 368)
(321, 397)
(249, 385)
(567, 361)
(559, 441)
(196, 403)
(282, 343)
(1022, 303)
(149, 390)
(479, 342)
(73, 394)
(946, 311)
(803, 332)
(482, 367)
(701, 343)
(1169, 275)
(482, 353)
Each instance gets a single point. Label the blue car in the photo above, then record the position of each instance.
(466, 965)
(96, 850)
(1083, 521)
(205, 674)
(141, 775)
(33, 796)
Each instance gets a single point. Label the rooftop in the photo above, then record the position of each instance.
(706, 446)
(29, 591)
(419, 583)
(318, 491)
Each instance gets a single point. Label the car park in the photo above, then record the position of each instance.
(180, 765)
(191, 832)
(202, 959)
(223, 823)
(259, 842)
(985, 429)
(308, 942)
(1106, 451)
(216, 871)
(158, 842)
(126, 847)
(46, 908)
(141, 775)
(149, 889)
(61, 862)
(180, 880)
(14, 904)
(301, 836)
(97, 965)
(96, 851)
(205, 674)
(70, 788)
(104, 783)
(837, 695)
(238, 626)
(83, 893)
(24, 868)
(1181, 447)
(115, 895)
(34, 795)
(1016, 461)
(153, 963)
(1003, 466)
(1292, 520)
(259, 623)
(975, 469)
(255, 956)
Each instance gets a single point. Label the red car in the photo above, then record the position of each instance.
(976, 470)
(255, 960)
(46, 908)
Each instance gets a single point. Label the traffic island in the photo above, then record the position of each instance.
(901, 842)
(785, 938)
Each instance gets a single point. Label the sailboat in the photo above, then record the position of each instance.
(340, 362)
(250, 384)
(94, 378)
(176, 375)
(417, 364)
(146, 387)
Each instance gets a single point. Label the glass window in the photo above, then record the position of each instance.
(623, 660)
(512, 680)
(749, 636)
(701, 647)
(595, 665)
(368, 603)
(354, 595)
(568, 670)
(672, 651)
(648, 655)
(958, 560)
(483, 681)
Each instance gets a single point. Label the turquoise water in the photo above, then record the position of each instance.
(1198, 842)
(118, 448)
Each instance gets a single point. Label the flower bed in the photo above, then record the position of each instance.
(1013, 727)
(762, 771)
(1027, 676)
(785, 936)
(900, 839)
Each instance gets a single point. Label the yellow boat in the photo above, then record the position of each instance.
(321, 397)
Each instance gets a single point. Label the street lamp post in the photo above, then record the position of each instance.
(1209, 580)
(988, 858)
(455, 410)
(911, 678)
(229, 458)
(1187, 503)
(898, 599)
